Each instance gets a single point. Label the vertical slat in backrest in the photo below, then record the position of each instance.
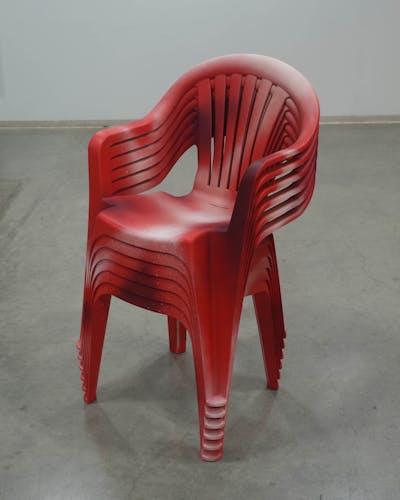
(219, 123)
(241, 118)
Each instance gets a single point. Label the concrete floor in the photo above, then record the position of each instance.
(332, 432)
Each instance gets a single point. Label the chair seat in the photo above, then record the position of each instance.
(162, 218)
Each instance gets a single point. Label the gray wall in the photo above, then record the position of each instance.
(98, 59)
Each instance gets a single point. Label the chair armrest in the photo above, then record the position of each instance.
(132, 158)
(274, 190)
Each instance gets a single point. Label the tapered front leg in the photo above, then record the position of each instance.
(214, 346)
(90, 344)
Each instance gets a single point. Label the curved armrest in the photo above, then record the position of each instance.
(273, 191)
(132, 158)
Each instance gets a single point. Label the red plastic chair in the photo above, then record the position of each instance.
(254, 121)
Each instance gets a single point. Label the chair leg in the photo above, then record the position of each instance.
(272, 335)
(177, 336)
(213, 350)
(90, 344)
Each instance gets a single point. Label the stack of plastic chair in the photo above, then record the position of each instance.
(254, 121)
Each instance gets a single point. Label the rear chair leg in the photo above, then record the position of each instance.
(268, 308)
(272, 335)
(177, 336)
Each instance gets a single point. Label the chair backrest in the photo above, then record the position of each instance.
(238, 110)
(246, 107)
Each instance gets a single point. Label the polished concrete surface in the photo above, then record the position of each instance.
(332, 432)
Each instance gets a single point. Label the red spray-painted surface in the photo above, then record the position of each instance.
(254, 121)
